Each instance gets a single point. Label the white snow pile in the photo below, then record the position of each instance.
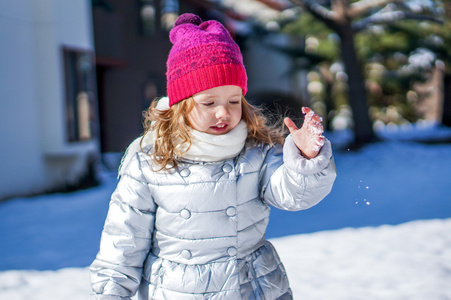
(407, 261)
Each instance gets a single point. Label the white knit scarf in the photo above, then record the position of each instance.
(208, 147)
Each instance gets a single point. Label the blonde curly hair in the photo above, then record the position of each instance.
(172, 129)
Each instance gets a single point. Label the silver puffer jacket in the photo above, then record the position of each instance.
(198, 231)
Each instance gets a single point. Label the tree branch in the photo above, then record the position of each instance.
(362, 6)
(325, 15)
(390, 17)
(276, 5)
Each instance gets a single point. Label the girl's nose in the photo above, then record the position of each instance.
(222, 113)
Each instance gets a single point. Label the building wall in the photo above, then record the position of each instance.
(19, 123)
(122, 100)
(35, 154)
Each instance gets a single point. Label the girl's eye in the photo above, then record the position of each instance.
(208, 104)
(234, 102)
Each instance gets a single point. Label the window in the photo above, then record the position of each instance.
(151, 10)
(148, 15)
(80, 93)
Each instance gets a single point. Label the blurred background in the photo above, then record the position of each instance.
(76, 75)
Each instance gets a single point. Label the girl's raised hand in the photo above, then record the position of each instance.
(309, 138)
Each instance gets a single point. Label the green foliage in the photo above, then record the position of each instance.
(369, 44)
(305, 25)
(437, 37)
(384, 52)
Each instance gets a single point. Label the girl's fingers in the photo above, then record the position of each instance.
(290, 125)
(317, 129)
(310, 116)
(305, 110)
(317, 118)
(318, 144)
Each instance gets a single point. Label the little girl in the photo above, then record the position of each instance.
(189, 214)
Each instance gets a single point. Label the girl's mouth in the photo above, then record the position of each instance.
(220, 128)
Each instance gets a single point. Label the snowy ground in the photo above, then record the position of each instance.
(408, 261)
(383, 233)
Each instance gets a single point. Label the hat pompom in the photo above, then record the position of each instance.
(187, 19)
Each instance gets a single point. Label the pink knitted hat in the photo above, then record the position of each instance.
(203, 56)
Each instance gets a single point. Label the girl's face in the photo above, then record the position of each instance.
(217, 110)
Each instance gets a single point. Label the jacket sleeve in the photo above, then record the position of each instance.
(289, 181)
(126, 238)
